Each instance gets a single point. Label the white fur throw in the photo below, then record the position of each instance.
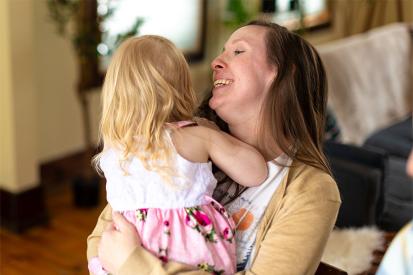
(352, 249)
(369, 78)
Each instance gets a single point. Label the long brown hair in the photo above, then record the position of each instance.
(294, 111)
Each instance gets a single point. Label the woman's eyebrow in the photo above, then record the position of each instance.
(239, 40)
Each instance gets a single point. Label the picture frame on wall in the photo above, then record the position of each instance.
(181, 21)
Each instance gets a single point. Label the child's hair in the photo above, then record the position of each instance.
(147, 85)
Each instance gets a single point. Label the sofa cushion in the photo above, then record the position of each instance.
(398, 196)
(369, 78)
(359, 173)
(359, 187)
(396, 140)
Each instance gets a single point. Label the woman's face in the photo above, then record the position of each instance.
(242, 76)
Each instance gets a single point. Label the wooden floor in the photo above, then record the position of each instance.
(58, 248)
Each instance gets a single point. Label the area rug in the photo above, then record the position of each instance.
(352, 249)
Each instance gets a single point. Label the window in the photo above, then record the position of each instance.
(181, 21)
(297, 14)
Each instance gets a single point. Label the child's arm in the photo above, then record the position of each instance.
(238, 160)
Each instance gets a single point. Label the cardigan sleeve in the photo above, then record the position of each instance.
(299, 231)
(93, 239)
(143, 261)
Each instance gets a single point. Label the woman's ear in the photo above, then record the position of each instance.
(271, 77)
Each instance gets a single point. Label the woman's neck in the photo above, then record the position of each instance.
(249, 134)
(245, 133)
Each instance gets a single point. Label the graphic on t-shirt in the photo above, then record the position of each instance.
(248, 209)
(243, 211)
(246, 217)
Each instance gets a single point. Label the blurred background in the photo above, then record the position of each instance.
(53, 55)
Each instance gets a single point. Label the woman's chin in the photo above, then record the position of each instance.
(213, 103)
(221, 109)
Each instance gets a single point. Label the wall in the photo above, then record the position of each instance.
(7, 145)
(60, 126)
(19, 112)
(349, 17)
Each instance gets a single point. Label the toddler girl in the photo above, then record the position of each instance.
(156, 159)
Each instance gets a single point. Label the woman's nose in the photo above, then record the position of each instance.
(217, 63)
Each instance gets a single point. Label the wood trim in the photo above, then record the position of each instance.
(326, 269)
(63, 170)
(21, 211)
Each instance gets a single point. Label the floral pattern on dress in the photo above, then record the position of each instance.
(141, 214)
(209, 268)
(228, 233)
(220, 209)
(163, 254)
(198, 220)
(166, 230)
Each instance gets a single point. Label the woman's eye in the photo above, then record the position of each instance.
(237, 52)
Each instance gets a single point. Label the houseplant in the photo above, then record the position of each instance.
(79, 21)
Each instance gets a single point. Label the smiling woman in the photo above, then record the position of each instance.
(270, 89)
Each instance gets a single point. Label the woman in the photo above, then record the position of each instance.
(270, 88)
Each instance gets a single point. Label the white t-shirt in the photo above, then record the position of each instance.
(248, 209)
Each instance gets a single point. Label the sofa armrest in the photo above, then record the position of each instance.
(359, 173)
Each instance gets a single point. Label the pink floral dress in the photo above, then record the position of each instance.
(179, 222)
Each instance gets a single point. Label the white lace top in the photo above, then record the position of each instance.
(141, 188)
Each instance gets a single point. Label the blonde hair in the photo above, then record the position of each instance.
(147, 85)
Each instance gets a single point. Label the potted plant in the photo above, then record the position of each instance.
(85, 36)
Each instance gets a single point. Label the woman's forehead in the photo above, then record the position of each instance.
(250, 34)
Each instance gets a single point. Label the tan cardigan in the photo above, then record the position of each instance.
(290, 239)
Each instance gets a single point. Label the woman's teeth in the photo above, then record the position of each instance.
(221, 82)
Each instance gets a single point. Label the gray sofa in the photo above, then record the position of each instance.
(370, 92)
(396, 141)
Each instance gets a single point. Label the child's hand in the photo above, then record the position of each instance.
(118, 241)
(206, 123)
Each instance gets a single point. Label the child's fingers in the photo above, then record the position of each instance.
(120, 222)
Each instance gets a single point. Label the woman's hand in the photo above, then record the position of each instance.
(118, 241)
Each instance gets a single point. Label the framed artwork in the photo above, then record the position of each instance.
(181, 21)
